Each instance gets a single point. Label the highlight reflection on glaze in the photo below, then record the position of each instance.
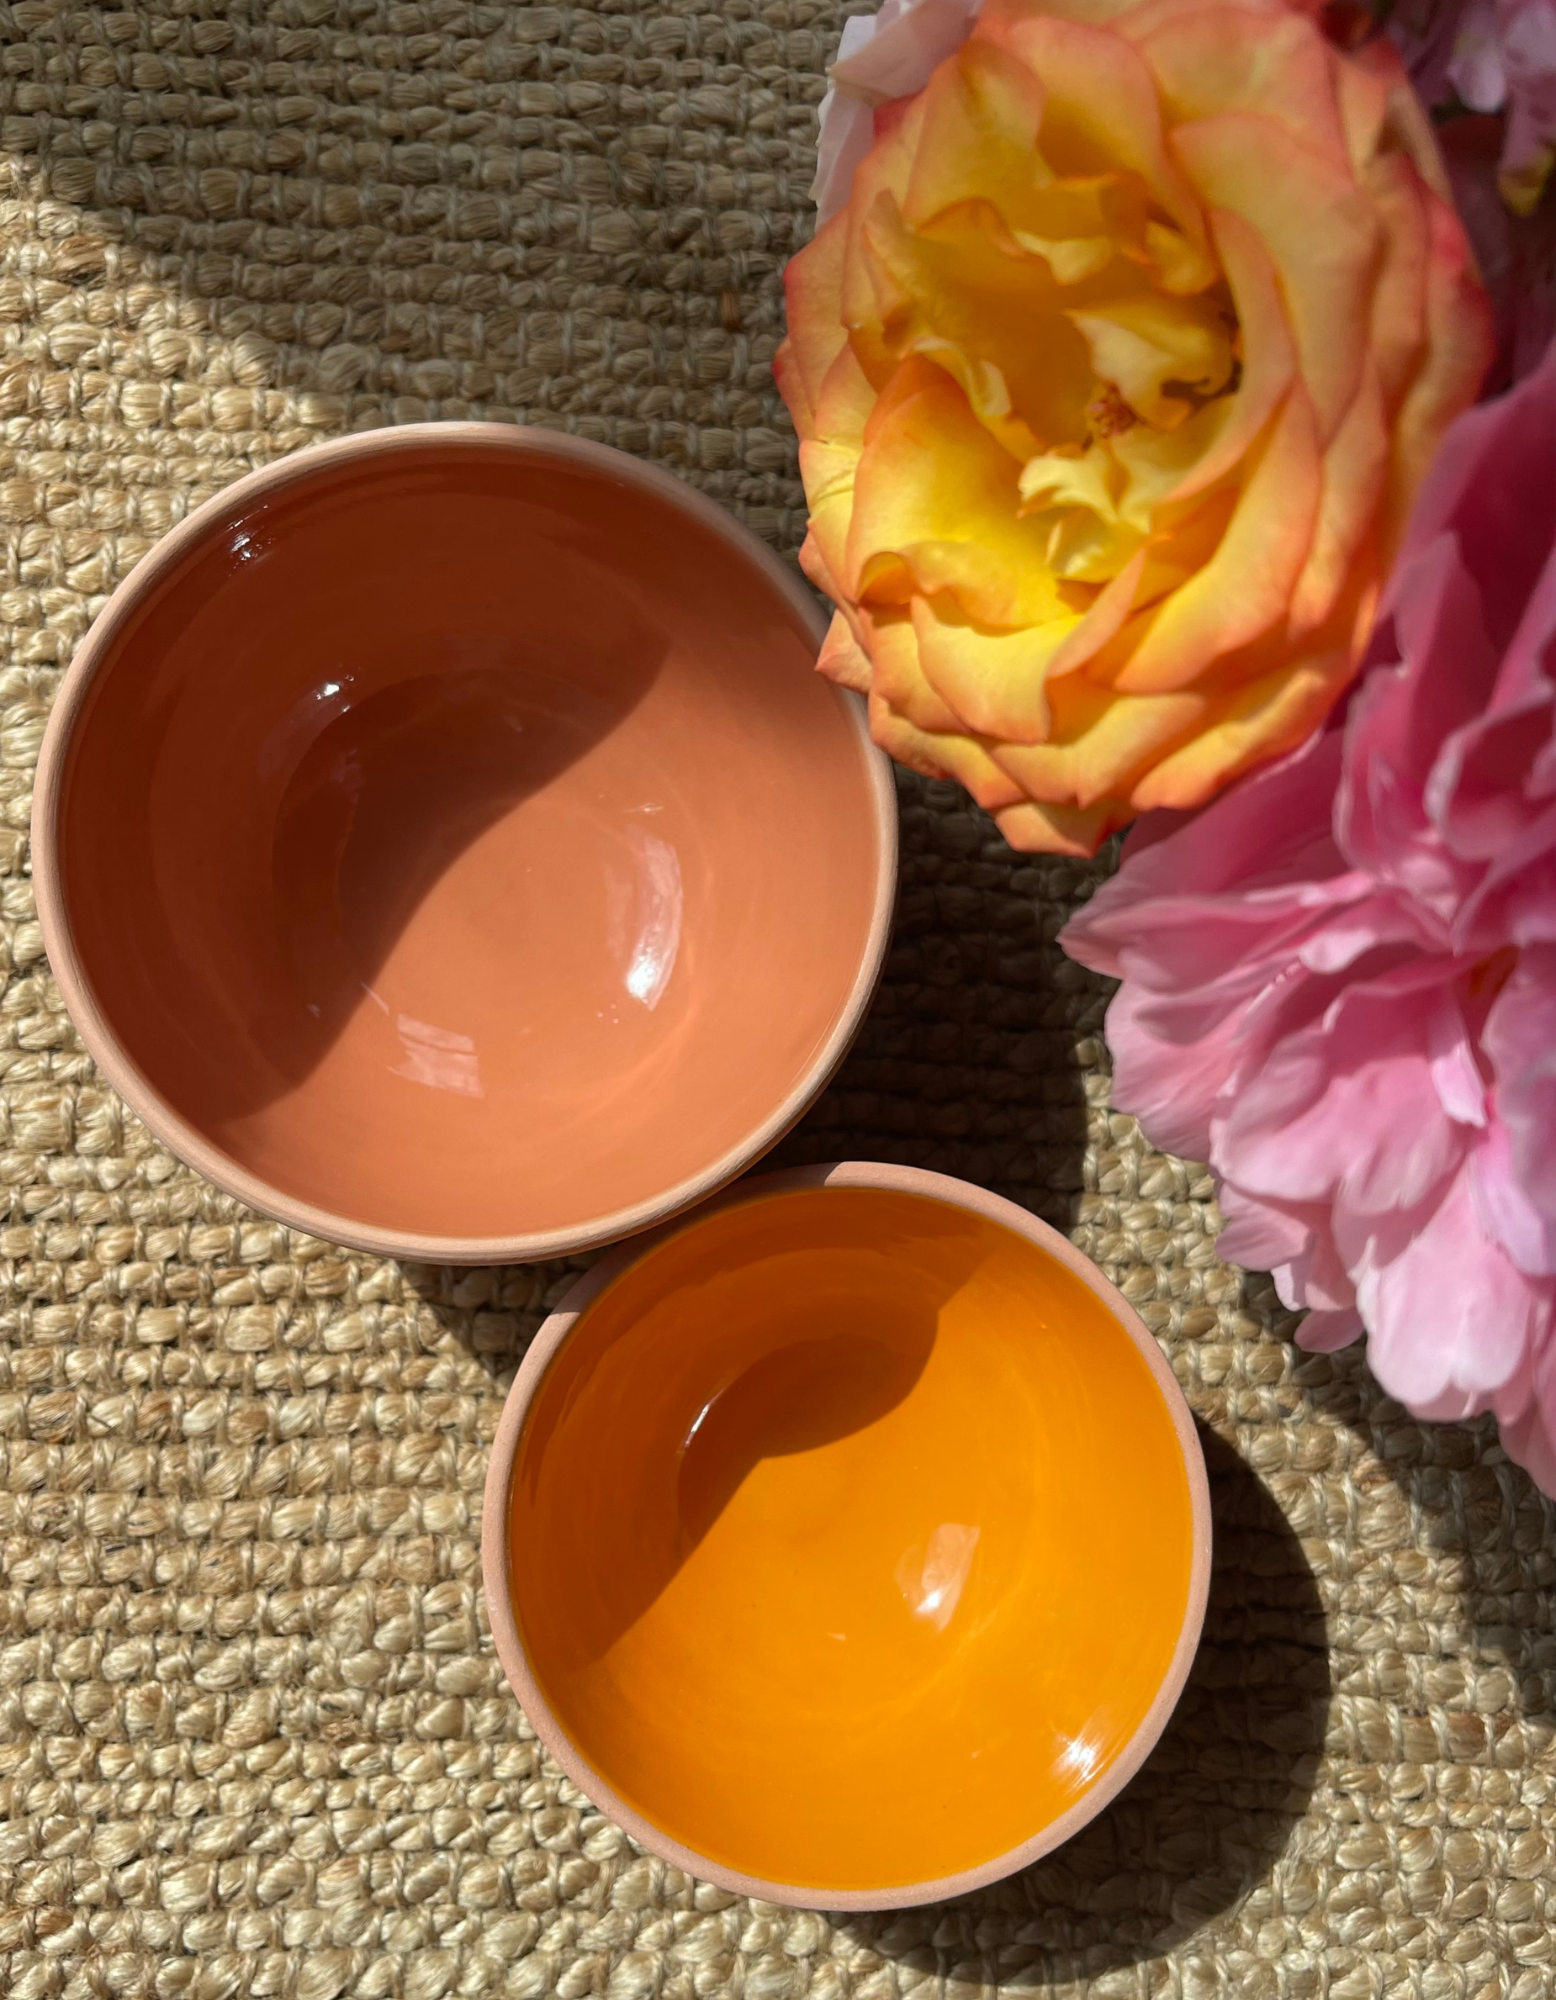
(651, 901)
(1080, 1754)
(439, 1057)
(931, 1581)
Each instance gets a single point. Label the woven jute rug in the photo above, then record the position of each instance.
(253, 1738)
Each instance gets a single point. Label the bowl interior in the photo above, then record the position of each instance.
(850, 1539)
(460, 841)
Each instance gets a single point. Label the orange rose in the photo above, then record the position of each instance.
(1114, 380)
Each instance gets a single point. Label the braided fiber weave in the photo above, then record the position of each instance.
(253, 1737)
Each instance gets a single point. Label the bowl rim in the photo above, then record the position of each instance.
(509, 1643)
(135, 1087)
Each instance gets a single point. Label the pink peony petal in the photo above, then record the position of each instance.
(1318, 1278)
(1401, 716)
(845, 128)
(1504, 1209)
(1502, 518)
(1168, 1085)
(1476, 70)
(911, 39)
(1520, 1039)
(1528, 51)
(1483, 779)
(1529, 1431)
(1323, 1332)
(1345, 1110)
(1450, 1318)
(844, 138)
(1456, 1077)
(881, 58)
(1257, 1233)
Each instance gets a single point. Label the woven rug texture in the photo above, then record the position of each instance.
(253, 1737)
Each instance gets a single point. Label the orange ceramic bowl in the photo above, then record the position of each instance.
(849, 1543)
(444, 843)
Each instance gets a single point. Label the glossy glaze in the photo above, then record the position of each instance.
(850, 1539)
(459, 841)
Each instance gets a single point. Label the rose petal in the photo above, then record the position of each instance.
(1271, 713)
(1103, 112)
(1218, 59)
(993, 682)
(1327, 275)
(842, 658)
(1246, 586)
(816, 335)
(935, 503)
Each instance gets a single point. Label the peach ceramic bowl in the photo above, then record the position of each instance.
(847, 1543)
(444, 843)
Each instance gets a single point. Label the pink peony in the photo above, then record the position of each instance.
(1339, 979)
(1494, 55)
(1505, 56)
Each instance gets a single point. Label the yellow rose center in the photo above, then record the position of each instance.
(1092, 333)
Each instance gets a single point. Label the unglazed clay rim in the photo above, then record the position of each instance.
(510, 1645)
(120, 1068)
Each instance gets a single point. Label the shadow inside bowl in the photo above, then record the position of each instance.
(343, 790)
(847, 1363)
(799, 1398)
(385, 805)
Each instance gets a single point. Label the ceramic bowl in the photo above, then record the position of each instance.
(444, 842)
(849, 1543)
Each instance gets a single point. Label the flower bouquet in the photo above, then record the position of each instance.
(1136, 364)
